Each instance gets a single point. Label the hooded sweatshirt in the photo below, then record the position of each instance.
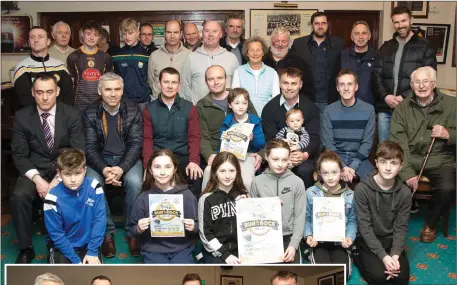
(164, 244)
(193, 83)
(383, 215)
(291, 190)
(349, 206)
(217, 216)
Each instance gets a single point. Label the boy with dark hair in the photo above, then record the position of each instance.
(284, 277)
(383, 204)
(74, 212)
(192, 279)
(87, 64)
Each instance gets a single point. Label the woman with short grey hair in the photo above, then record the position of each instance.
(261, 81)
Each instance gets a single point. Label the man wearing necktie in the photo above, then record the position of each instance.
(40, 132)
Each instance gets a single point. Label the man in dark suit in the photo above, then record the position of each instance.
(321, 53)
(40, 132)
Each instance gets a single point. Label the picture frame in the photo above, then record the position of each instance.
(264, 21)
(438, 35)
(231, 280)
(15, 34)
(454, 59)
(326, 280)
(419, 9)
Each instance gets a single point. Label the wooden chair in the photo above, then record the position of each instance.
(424, 193)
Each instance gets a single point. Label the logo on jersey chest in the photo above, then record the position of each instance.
(91, 74)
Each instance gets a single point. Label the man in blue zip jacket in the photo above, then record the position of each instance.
(360, 59)
(131, 63)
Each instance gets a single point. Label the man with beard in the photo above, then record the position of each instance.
(279, 58)
(146, 37)
(360, 58)
(322, 54)
(192, 37)
(396, 60)
(234, 26)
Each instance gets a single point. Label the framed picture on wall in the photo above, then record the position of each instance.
(326, 280)
(419, 9)
(15, 34)
(264, 21)
(231, 280)
(438, 35)
(339, 278)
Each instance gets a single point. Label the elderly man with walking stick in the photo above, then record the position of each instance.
(424, 125)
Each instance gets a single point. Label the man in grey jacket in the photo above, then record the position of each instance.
(193, 85)
(172, 54)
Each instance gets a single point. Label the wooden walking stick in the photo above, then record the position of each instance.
(425, 160)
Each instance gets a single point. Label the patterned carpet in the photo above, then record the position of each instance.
(430, 263)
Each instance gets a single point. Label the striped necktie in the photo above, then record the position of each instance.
(47, 132)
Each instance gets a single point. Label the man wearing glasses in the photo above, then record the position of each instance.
(427, 115)
(146, 37)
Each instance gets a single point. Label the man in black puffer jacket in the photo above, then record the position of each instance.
(396, 60)
(113, 129)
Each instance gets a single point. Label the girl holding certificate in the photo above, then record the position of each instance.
(163, 177)
(329, 166)
(279, 181)
(216, 210)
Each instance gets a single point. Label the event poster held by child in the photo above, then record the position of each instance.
(329, 166)
(279, 181)
(163, 177)
(217, 212)
(238, 101)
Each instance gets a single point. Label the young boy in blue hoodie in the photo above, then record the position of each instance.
(383, 204)
(74, 212)
(238, 101)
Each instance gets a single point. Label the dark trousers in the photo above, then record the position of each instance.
(57, 257)
(331, 253)
(372, 269)
(286, 241)
(443, 186)
(21, 203)
(209, 258)
(305, 172)
(181, 257)
(195, 186)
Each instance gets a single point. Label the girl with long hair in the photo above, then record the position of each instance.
(216, 210)
(163, 177)
(279, 181)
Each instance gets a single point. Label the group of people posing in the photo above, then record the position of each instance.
(155, 127)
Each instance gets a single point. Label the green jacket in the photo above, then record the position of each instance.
(411, 127)
(211, 117)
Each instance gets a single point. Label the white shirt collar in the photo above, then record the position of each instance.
(52, 112)
(283, 101)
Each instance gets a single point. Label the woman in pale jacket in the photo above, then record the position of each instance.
(261, 81)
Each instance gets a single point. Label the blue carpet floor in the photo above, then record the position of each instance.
(432, 263)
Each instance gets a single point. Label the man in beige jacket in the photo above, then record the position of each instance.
(172, 54)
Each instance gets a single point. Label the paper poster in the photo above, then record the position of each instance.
(259, 226)
(167, 213)
(159, 34)
(15, 34)
(236, 139)
(329, 223)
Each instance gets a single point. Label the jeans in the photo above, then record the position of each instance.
(181, 257)
(132, 181)
(364, 169)
(384, 119)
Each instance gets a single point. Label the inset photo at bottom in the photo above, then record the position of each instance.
(175, 275)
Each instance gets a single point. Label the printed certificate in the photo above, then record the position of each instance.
(329, 223)
(259, 226)
(236, 139)
(167, 213)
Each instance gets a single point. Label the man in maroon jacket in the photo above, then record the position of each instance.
(172, 122)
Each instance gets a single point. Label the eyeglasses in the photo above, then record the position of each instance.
(425, 83)
(147, 35)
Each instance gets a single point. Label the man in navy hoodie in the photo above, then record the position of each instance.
(131, 63)
(74, 212)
